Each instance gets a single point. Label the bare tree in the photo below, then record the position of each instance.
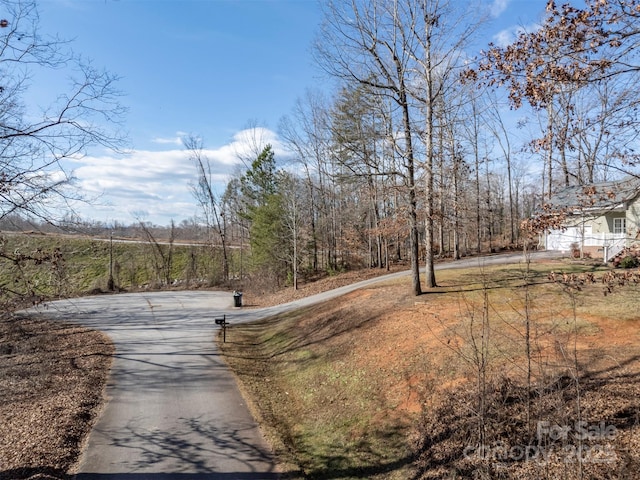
(438, 32)
(306, 135)
(204, 194)
(293, 223)
(577, 54)
(34, 143)
(162, 252)
(496, 125)
(604, 129)
(359, 131)
(364, 42)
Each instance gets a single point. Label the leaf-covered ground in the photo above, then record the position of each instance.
(52, 378)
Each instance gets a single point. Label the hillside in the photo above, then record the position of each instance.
(379, 384)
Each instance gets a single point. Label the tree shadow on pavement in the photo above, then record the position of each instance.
(192, 448)
(49, 473)
(178, 476)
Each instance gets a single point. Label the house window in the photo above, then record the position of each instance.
(619, 225)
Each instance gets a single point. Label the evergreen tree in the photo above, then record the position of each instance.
(260, 180)
(265, 213)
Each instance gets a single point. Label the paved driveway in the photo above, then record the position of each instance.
(174, 410)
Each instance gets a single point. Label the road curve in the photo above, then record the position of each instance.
(174, 410)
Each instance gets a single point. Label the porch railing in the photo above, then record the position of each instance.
(613, 248)
(603, 239)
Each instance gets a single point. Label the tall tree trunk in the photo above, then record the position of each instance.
(413, 201)
(478, 216)
(456, 208)
(441, 198)
(430, 275)
(549, 145)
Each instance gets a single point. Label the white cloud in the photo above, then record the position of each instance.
(246, 144)
(158, 183)
(167, 141)
(177, 140)
(155, 182)
(498, 7)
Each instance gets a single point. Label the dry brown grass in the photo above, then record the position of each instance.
(52, 378)
(263, 298)
(379, 384)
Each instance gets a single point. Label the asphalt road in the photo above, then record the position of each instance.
(174, 410)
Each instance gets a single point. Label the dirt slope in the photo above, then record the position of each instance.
(381, 384)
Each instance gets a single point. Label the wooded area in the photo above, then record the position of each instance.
(426, 150)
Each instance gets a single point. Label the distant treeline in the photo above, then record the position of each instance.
(187, 230)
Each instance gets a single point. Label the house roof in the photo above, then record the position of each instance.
(596, 196)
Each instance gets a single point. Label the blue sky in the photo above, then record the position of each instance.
(205, 67)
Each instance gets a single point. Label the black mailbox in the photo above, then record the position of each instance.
(223, 323)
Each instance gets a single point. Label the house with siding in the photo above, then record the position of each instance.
(599, 219)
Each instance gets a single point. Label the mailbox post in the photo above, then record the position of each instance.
(223, 323)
